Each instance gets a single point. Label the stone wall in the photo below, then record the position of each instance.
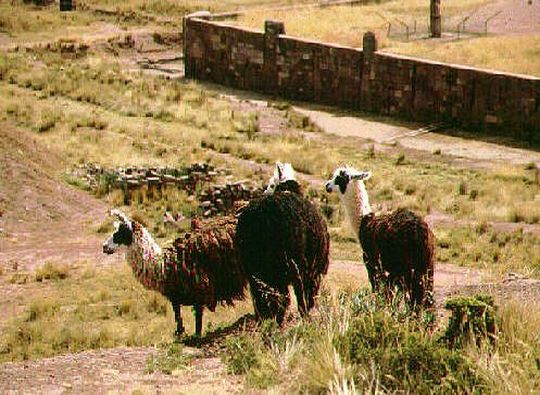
(369, 80)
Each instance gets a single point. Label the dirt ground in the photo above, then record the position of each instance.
(43, 219)
(509, 17)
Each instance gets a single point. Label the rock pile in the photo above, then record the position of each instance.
(134, 177)
(221, 199)
(214, 199)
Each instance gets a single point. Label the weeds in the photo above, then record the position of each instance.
(51, 271)
(472, 319)
(354, 342)
(169, 359)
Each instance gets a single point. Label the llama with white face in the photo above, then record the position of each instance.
(398, 247)
(200, 270)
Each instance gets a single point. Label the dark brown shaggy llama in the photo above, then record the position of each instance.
(200, 270)
(282, 240)
(398, 252)
(398, 247)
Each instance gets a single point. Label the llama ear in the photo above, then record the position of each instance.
(288, 172)
(361, 175)
(278, 172)
(122, 218)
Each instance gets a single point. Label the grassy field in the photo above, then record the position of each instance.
(76, 106)
(346, 25)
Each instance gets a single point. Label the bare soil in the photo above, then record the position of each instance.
(118, 370)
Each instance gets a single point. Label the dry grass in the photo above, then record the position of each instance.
(94, 308)
(346, 25)
(512, 54)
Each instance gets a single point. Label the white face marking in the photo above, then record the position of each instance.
(282, 172)
(109, 246)
(342, 176)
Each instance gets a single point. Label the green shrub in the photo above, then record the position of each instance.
(472, 319)
(241, 353)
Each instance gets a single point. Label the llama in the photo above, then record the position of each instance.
(199, 270)
(398, 247)
(281, 240)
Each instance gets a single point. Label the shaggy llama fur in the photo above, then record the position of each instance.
(199, 270)
(398, 247)
(282, 240)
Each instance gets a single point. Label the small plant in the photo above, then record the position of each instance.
(168, 359)
(241, 353)
(370, 153)
(462, 188)
(19, 278)
(400, 160)
(51, 271)
(47, 121)
(249, 126)
(437, 151)
(530, 166)
(472, 319)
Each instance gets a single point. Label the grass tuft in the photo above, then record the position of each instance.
(169, 359)
(51, 271)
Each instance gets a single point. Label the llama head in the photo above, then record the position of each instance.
(343, 176)
(283, 172)
(123, 233)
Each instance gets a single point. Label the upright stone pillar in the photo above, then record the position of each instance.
(435, 18)
(370, 47)
(272, 30)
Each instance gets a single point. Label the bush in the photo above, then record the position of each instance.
(405, 357)
(472, 319)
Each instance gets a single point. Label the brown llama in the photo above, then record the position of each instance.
(398, 247)
(200, 270)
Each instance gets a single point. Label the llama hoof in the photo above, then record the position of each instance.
(180, 334)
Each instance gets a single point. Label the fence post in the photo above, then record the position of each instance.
(435, 18)
(272, 30)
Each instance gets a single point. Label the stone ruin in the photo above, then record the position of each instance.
(214, 199)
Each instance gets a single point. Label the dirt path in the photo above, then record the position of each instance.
(473, 153)
(118, 370)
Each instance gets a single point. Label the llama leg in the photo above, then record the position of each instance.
(280, 303)
(299, 289)
(178, 318)
(198, 320)
(260, 305)
(372, 268)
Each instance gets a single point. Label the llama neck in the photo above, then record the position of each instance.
(144, 255)
(356, 203)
